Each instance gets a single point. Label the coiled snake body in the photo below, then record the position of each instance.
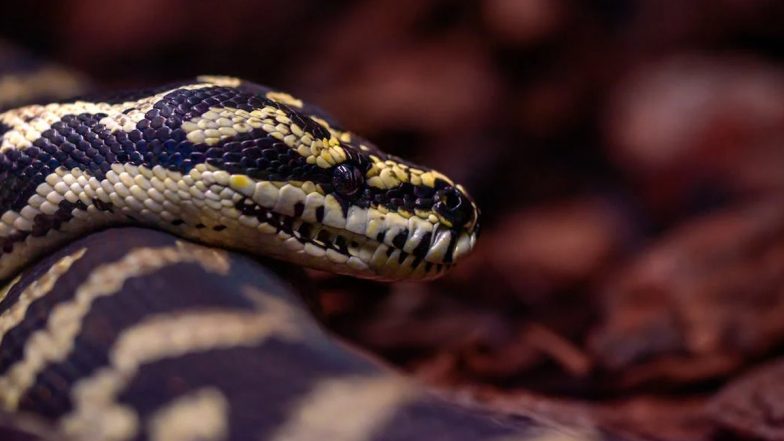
(133, 334)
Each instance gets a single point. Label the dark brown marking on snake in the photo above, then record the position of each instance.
(152, 294)
(423, 246)
(273, 376)
(299, 208)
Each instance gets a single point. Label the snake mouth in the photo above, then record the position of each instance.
(367, 255)
(379, 247)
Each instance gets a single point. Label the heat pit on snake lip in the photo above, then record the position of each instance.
(427, 256)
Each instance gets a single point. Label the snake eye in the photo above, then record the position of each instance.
(454, 206)
(347, 179)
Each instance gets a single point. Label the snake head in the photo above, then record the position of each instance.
(331, 199)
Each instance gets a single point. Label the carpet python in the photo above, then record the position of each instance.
(134, 334)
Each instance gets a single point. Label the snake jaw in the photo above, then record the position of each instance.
(317, 231)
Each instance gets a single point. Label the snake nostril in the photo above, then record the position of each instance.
(452, 200)
(454, 206)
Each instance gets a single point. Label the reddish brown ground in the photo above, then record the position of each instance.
(628, 157)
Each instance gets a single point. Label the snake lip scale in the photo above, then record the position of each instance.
(228, 163)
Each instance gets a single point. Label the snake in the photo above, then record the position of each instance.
(135, 306)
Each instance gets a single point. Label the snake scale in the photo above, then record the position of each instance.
(113, 332)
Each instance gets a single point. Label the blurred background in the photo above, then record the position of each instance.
(628, 157)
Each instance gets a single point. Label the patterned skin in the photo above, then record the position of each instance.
(227, 163)
(99, 341)
(132, 334)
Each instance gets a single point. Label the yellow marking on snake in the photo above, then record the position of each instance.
(96, 411)
(220, 80)
(56, 340)
(285, 98)
(221, 123)
(339, 134)
(200, 415)
(31, 121)
(40, 287)
(347, 408)
(390, 174)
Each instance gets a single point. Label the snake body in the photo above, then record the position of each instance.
(131, 334)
